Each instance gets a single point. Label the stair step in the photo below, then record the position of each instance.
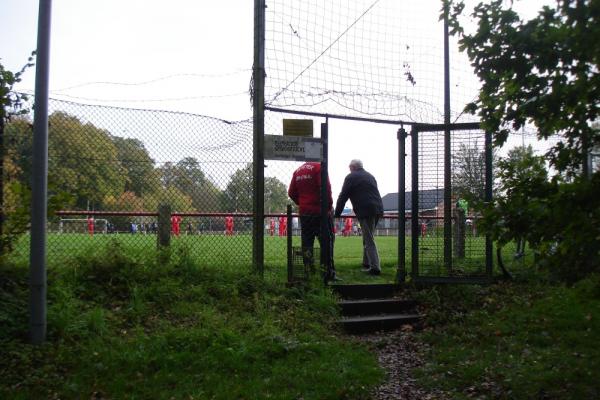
(378, 323)
(359, 291)
(375, 306)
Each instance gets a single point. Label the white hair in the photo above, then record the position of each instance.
(356, 163)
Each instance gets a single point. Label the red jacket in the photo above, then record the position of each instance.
(305, 189)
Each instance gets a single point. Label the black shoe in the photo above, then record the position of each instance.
(372, 271)
(332, 278)
(365, 268)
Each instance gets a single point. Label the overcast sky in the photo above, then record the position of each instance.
(181, 55)
(196, 50)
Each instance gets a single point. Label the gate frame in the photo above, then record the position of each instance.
(258, 160)
(401, 250)
(446, 128)
(401, 271)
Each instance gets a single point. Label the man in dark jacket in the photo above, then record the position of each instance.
(305, 191)
(361, 188)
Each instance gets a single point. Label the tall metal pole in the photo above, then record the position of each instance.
(414, 213)
(37, 268)
(258, 164)
(326, 245)
(447, 149)
(289, 233)
(1, 179)
(489, 180)
(401, 273)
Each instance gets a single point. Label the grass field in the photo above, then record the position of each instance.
(218, 251)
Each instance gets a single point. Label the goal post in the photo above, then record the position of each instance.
(80, 225)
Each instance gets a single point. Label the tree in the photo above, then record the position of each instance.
(83, 161)
(276, 197)
(468, 173)
(187, 176)
(142, 177)
(237, 196)
(14, 215)
(178, 200)
(545, 71)
(126, 201)
(523, 186)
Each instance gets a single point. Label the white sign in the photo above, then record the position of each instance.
(293, 148)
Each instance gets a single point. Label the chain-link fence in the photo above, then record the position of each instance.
(109, 170)
(449, 243)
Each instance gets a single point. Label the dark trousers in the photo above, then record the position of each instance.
(310, 229)
(370, 253)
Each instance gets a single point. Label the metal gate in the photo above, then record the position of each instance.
(451, 170)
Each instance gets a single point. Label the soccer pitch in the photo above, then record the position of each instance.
(220, 251)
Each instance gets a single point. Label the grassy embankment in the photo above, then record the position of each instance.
(122, 325)
(521, 340)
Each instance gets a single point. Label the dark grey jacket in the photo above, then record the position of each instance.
(361, 188)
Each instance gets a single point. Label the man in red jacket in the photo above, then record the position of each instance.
(347, 226)
(175, 224)
(90, 225)
(229, 225)
(282, 226)
(305, 191)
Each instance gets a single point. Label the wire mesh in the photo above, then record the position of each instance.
(305, 261)
(109, 170)
(363, 58)
(468, 188)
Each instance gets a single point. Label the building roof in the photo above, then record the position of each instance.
(428, 200)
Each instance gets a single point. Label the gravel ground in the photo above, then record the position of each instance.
(398, 353)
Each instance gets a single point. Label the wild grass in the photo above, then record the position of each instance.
(199, 324)
(123, 325)
(515, 340)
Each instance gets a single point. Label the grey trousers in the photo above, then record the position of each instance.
(370, 254)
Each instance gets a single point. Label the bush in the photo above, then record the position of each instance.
(559, 218)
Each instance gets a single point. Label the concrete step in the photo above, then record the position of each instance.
(373, 291)
(378, 322)
(375, 306)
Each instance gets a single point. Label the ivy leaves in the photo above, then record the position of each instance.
(544, 71)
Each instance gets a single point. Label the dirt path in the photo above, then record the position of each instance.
(398, 353)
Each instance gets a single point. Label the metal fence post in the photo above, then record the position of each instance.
(415, 201)
(326, 245)
(401, 273)
(290, 259)
(258, 170)
(459, 233)
(39, 195)
(447, 149)
(489, 179)
(164, 226)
